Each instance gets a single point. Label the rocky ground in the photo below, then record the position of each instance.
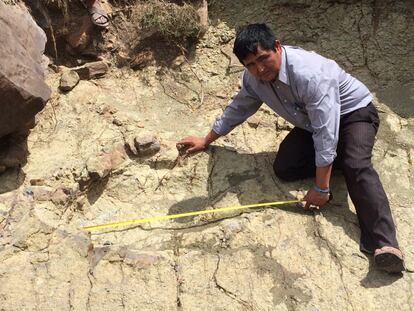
(105, 151)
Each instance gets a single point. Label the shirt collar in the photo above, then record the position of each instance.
(283, 73)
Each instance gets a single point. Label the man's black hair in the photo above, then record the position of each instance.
(249, 37)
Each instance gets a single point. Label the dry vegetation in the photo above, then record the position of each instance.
(171, 20)
(61, 5)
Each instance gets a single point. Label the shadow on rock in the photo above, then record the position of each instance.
(11, 179)
(338, 211)
(190, 205)
(13, 155)
(13, 150)
(399, 99)
(376, 278)
(95, 189)
(251, 179)
(231, 173)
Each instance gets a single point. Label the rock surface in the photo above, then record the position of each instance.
(22, 87)
(281, 258)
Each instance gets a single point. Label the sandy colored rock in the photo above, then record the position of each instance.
(92, 70)
(106, 161)
(69, 80)
(279, 258)
(143, 145)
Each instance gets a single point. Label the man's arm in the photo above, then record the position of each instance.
(244, 104)
(323, 107)
(323, 176)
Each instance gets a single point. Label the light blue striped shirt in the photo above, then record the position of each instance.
(311, 92)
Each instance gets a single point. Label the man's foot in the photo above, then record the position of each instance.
(99, 16)
(389, 259)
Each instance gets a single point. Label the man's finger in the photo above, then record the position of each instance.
(184, 141)
(191, 150)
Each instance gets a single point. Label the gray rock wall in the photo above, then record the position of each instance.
(374, 40)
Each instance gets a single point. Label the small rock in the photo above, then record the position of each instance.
(106, 110)
(144, 145)
(117, 122)
(99, 167)
(221, 95)
(106, 161)
(92, 70)
(41, 193)
(37, 182)
(178, 61)
(68, 80)
(253, 122)
(147, 145)
(60, 196)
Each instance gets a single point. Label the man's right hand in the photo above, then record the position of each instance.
(192, 144)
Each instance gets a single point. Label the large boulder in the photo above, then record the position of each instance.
(23, 91)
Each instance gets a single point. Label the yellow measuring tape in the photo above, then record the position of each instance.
(165, 217)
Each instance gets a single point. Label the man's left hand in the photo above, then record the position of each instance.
(315, 198)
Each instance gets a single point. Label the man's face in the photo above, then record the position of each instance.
(265, 64)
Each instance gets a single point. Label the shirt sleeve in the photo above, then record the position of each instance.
(243, 105)
(322, 103)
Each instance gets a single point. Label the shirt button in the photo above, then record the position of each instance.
(295, 113)
(285, 100)
(277, 87)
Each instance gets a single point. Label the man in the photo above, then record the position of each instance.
(333, 115)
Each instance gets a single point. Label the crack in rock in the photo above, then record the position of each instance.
(227, 292)
(333, 255)
(176, 267)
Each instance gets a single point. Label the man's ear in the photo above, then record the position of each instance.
(278, 46)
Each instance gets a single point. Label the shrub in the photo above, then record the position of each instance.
(171, 20)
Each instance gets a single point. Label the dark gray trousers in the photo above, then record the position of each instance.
(296, 160)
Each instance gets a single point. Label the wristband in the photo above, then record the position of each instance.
(320, 190)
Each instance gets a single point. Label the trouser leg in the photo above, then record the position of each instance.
(357, 136)
(296, 160)
(296, 156)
